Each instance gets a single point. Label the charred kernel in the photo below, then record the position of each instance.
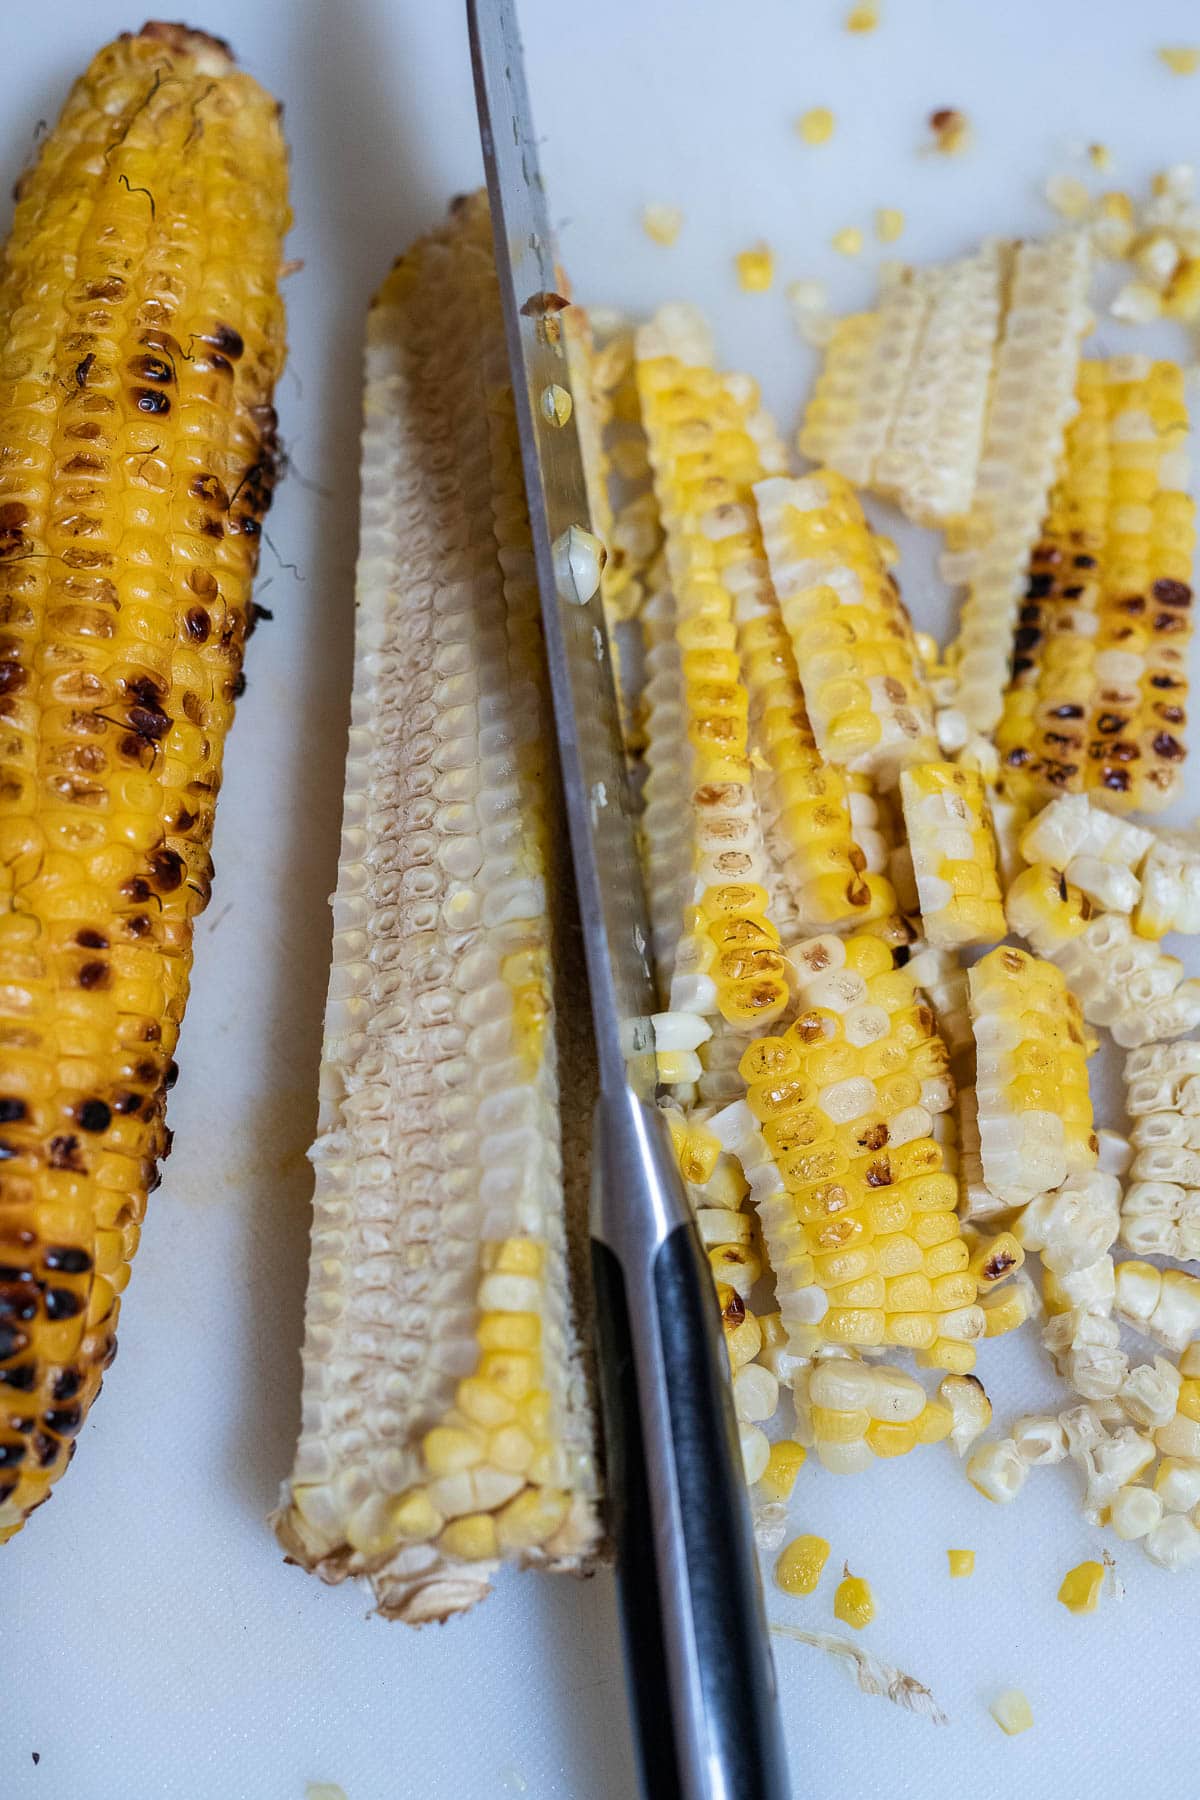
(1066, 711)
(94, 975)
(68, 1259)
(238, 685)
(22, 1380)
(83, 369)
(45, 1448)
(1172, 593)
(94, 1115)
(1110, 722)
(65, 1420)
(149, 368)
(138, 925)
(1170, 747)
(225, 339)
(88, 940)
(198, 624)
(64, 1153)
(1040, 586)
(11, 1455)
(11, 1110)
(128, 1104)
(149, 400)
(12, 678)
(12, 1341)
(63, 1303)
(172, 1074)
(166, 870)
(67, 1384)
(19, 1300)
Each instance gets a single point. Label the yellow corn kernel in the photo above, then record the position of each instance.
(520, 1256)
(473, 1537)
(448, 1450)
(854, 1603)
(483, 1404)
(834, 1427)
(755, 269)
(1004, 1311)
(1181, 59)
(509, 1331)
(513, 1372)
(1080, 1590)
(415, 1516)
(934, 1423)
(888, 1438)
(848, 241)
(799, 1567)
(962, 1562)
(1012, 1712)
(533, 1516)
(889, 224)
(784, 1463)
(662, 223)
(864, 17)
(816, 125)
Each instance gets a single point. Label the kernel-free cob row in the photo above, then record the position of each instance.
(142, 333)
(446, 1420)
(1096, 702)
(1160, 1211)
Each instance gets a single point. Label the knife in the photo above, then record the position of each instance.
(701, 1679)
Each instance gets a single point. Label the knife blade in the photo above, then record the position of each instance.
(701, 1679)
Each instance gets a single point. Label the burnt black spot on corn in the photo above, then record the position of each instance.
(98, 373)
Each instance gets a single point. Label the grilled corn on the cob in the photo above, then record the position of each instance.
(142, 333)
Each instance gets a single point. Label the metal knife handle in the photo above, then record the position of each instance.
(702, 1682)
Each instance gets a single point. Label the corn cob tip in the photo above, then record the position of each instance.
(213, 56)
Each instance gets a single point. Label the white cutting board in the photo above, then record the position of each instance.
(155, 1645)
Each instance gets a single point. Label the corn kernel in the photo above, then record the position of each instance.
(799, 1567)
(816, 125)
(1182, 59)
(1080, 1590)
(520, 1256)
(532, 1517)
(448, 1450)
(783, 1465)
(951, 130)
(473, 1537)
(962, 1562)
(1012, 1712)
(756, 269)
(854, 1603)
(415, 1516)
(848, 242)
(1068, 196)
(662, 224)
(864, 17)
(1100, 156)
(889, 223)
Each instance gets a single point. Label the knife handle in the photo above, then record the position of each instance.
(701, 1678)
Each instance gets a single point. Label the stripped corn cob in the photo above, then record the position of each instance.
(143, 332)
(1038, 355)
(446, 1423)
(1035, 1114)
(864, 683)
(953, 855)
(727, 957)
(1160, 1212)
(1099, 681)
(853, 408)
(1120, 980)
(1163, 1304)
(835, 1139)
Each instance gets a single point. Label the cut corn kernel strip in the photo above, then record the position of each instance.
(1035, 1112)
(143, 332)
(1120, 980)
(445, 1416)
(864, 682)
(1038, 353)
(1099, 682)
(953, 850)
(727, 958)
(799, 1568)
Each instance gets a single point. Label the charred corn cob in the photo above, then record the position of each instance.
(953, 854)
(864, 682)
(1038, 354)
(1160, 1211)
(1120, 980)
(1035, 1113)
(835, 1139)
(143, 332)
(727, 957)
(1099, 680)
(446, 1421)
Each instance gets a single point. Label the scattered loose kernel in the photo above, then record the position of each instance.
(1137, 304)
(799, 1567)
(848, 242)
(854, 1603)
(783, 1465)
(1080, 1590)
(962, 1562)
(662, 223)
(816, 125)
(1182, 59)
(889, 223)
(951, 130)
(863, 18)
(1012, 1711)
(1100, 156)
(756, 269)
(1068, 196)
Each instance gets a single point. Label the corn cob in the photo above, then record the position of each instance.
(1121, 981)
(1096, 701)
(864, 683)
(835, 1140)
(1038, 355)
(143, 332)
(1035, 1114)
(445, 1422)
(727, 957)
(1160, 1212)
(853, 408)
(954, 855)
